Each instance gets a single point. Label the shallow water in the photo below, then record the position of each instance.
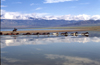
(32, 29)
(51, 50)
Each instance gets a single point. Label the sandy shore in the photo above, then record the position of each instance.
(42, 31)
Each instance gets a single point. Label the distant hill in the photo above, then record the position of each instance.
(34, 23)
(84, 23)
(38, 23)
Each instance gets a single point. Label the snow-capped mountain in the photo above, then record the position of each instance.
(46, 16)
(19, 20)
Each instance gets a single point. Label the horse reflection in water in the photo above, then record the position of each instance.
(65, 34)
(74, 34)
(14, 37)
(85, 34)
(36, 34)
(56, 34)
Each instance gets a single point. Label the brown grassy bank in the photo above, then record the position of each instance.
(88, 28)
(42, 31)
(92, 28)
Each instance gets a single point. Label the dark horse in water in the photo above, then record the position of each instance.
(1, 33)
(14, 30)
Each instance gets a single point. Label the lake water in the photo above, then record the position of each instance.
(51, 50)
(31, 29)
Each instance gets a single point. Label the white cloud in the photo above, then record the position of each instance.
(95, 17)
(17, 15)
(31, 4)
(38, 8)
(57, 1)
(3, 6)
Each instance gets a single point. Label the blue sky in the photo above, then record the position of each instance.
(60, 7)
(51, 9)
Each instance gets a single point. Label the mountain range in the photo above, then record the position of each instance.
(84, 23)
(37, 20)
(38, 23)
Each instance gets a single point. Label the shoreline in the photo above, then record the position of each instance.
(43, 31)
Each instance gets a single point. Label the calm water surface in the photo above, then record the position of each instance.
(51, 50)
(31, 29)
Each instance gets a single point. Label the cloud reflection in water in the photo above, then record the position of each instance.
(68, 60)
(9, 61)
(37, 41)
(68, 55)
